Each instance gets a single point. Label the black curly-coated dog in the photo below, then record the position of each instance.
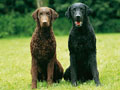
(82, 46)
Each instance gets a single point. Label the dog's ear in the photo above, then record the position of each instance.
(88, 10)
(54, 14)
(67, 13)
(35, 14)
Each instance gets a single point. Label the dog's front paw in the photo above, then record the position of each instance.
(34, 85)
(49, 82)
(98, 84)
(74, 84)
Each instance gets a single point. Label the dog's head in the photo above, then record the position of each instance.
(44, 16)
(78, 12)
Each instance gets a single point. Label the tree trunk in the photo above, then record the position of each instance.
(41, 3)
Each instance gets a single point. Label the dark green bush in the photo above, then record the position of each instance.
(21, 6)
(111, 26)
(16, 24)
(106, 13)
(62, 26)
(24, 25)
(15, 16)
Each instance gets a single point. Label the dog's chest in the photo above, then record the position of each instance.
(81, 43)
(44, 49)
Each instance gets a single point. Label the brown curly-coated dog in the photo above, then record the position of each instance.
(45, 65)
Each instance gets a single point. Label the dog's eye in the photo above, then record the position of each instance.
(74, 9)
(81, 9)
(48, 13)
(41, 13)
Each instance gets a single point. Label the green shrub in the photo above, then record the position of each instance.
(110, 26)
(62, 26)
(16, 24)
(24, 25)
(6, 26)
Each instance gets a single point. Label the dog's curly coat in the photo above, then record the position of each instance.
(82, 46)
(45, 65)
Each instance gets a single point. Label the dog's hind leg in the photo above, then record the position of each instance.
(58, 72)
(50, 71)
(67, 74)
(93, 65)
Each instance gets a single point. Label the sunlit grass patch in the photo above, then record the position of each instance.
(15, 64)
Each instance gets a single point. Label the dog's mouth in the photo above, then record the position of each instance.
(44, 24)
(78, 23)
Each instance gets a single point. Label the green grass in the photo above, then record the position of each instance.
(15, 64)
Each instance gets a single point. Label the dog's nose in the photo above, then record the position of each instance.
(44, 22)
(78, 17)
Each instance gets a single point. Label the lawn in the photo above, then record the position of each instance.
(15, 64)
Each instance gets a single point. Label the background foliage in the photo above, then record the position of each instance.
(15, 16)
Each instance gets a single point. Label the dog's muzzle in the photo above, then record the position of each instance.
(78, 21)
(44, 23)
